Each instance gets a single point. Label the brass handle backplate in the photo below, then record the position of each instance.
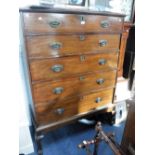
(54, 24)
(100, 81)
(102, 61)
(81, 78)
(104, 24)
(57, 68)
(103, 42)
(56, 45)
(59, 111)
(82, 58)
(98, 100)
(82, 37)
(58, 90)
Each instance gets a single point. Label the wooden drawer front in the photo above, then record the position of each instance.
(67, 23)
(60, 110)
(45, 46)
(71, 66)
(46, 91)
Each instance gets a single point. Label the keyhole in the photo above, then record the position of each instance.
(82, 20)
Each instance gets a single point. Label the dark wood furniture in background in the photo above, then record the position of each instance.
(127, 26)
(128, 140)
(129, 59)
(125, 35)
(72, 60)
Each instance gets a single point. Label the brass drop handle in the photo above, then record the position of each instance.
(81, 78)
(54, 24)
(98, 100)
(82, 58)
(57, 68)
(56, 45)
(59, 111)
(102, 61)
(58, 90)
(82, 37)
(103, 42)
(104, 24)
(100, 81)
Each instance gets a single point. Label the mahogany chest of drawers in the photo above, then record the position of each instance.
(72, 59)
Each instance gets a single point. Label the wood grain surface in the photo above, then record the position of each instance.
(39, 23)
(72, 107)
(41, 46)
(73, 65)
(44, 91)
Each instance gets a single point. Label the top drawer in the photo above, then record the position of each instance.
(64, 23)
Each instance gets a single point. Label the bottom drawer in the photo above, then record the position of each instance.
(60, 110)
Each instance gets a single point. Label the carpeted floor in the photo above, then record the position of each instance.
(64, 141)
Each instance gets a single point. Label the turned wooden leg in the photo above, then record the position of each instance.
(38, 138)
(96, 145)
